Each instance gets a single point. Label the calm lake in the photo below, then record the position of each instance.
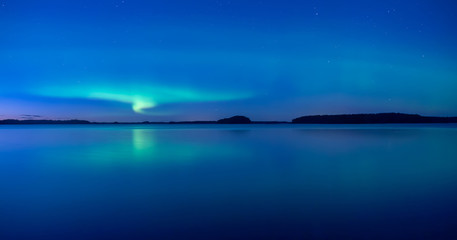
(228, 182)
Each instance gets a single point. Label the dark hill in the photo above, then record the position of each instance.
(373, 118)
(14, 121)
(235, 120)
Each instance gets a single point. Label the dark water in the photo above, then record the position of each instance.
(228, 182)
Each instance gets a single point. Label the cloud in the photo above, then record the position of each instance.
(30, 116)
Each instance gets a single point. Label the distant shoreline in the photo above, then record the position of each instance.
(378, 118)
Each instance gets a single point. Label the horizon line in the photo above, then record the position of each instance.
(325, 118)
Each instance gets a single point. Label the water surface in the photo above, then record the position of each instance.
(228, 182)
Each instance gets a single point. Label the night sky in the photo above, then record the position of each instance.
(163, 60)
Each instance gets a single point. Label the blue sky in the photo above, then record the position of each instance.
(202, 60)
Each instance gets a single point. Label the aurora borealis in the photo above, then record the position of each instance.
(137, 60)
